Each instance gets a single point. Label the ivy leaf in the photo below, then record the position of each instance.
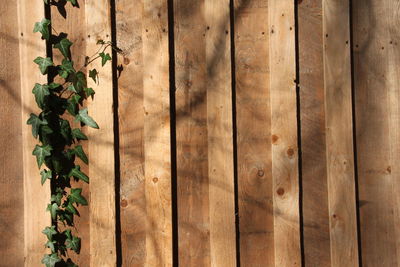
(69, 207)
(54, 85)
(65, 130)
(51, 260)
(44, 63)
(43, 28)
(53, 208)
(64, 46)
(86, 119)
(93, 74)
(46, 174)
(67, 65)
(40, 91)
(78, 150)
(41, 152)
(36, 122)
(78, 81)
(49, 232)
(89, 92)
(50, 244)
(76, 196)
(104, 58)
(57, 198)
(46, 2)
(74, 244)
(78, 135)
(72, 104)
(76, 172)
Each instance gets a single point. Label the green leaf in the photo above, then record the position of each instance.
(67, 65)
(65, 130)
(69, 207)
(89, 92)
(104, 58)
(51, 260)
(40, 91)
(72, 104)
(49, 232)
(57, 198)
(74, 244)
(44, 64)
(41, 152)
(78, 135)
(76, 196)
(43, 28)
(54, 85)
(76, 172)
(64, 46)
(86, 119)
(53, 208)
(93, 74)
(46, 2)
(46, 174)
(78, 150)
(50, 244)
(36, 122)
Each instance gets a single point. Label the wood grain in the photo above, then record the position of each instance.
(254, 133)
(339, 134)
(36, 196)
(101, 142)
(157, 146)
(191, 133)
(316, 229)
(284, 132)
(11, 170)
(131, 132)
(376, 56)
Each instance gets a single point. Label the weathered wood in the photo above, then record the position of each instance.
(157, 146)
(70, 21)
(191, 133)
(131, 132)
(339, 134)
(312, 108)
(254, 133)
(36, 196)
(284, 133)
(376, 57)
(11, 170)
(101, 142)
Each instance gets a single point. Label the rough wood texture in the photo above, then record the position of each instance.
(376, 57)
(157, 144)
(284, 133)
(101, 142)
(312, 109)
(339, 134)
(11, 170)
(191, 133)
(36, 196)
(220, 142)
(69, 20)
(131, 132)
(254, 133)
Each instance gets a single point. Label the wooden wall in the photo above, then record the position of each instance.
(233, 133)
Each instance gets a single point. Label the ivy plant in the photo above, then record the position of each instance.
(59, 142)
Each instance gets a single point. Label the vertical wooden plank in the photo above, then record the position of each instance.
(11, 170)
(131, 132)
(339, 134)
(376, 37)
(312, 108)
(36, 196)
(284, 132)
(101, 142)
(191, 133)
(71, 20)
(254, 133)
(157, 148)
(220, 141)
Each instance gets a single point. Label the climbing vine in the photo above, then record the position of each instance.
(59, 142)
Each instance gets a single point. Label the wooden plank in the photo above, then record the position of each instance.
(254, 133)
(312, 108)
(11, 170)
(101, 142)
(70, 20)
(191, 133)
(36, 196)
(339, 134)
(157, 147)
(131, 132)
(284, 132)
(376, 56)
(220, 141)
